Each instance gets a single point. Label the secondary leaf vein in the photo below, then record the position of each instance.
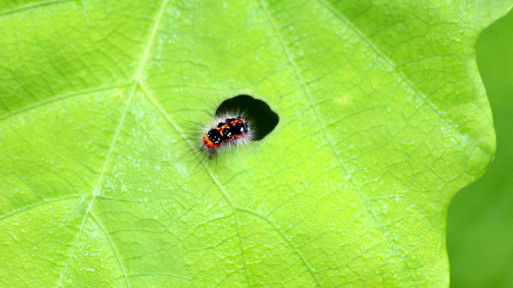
(394, 67)
(137, 78)
(289, 242)
(214, 178)
(306, 92)
(38, 204)
(113, 246)
(63, 96)
(98, 184)
(32, 6)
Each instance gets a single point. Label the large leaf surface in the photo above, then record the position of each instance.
(383, 119)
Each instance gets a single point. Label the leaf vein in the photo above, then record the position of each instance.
(112, 245)
(62, 97)
(306, 92)
(289, 242)
(32, 6)
(38, 204)
(214, 178)
(153, 33)
(395, 68)
(98, 183)
(136, 79)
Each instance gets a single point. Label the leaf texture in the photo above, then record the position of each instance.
(383, 118)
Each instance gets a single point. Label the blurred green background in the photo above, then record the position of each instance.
(480, 224)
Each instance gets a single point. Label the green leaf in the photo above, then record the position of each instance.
(480, 219)
(382, 119)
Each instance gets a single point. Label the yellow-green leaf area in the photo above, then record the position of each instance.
(383, 118)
